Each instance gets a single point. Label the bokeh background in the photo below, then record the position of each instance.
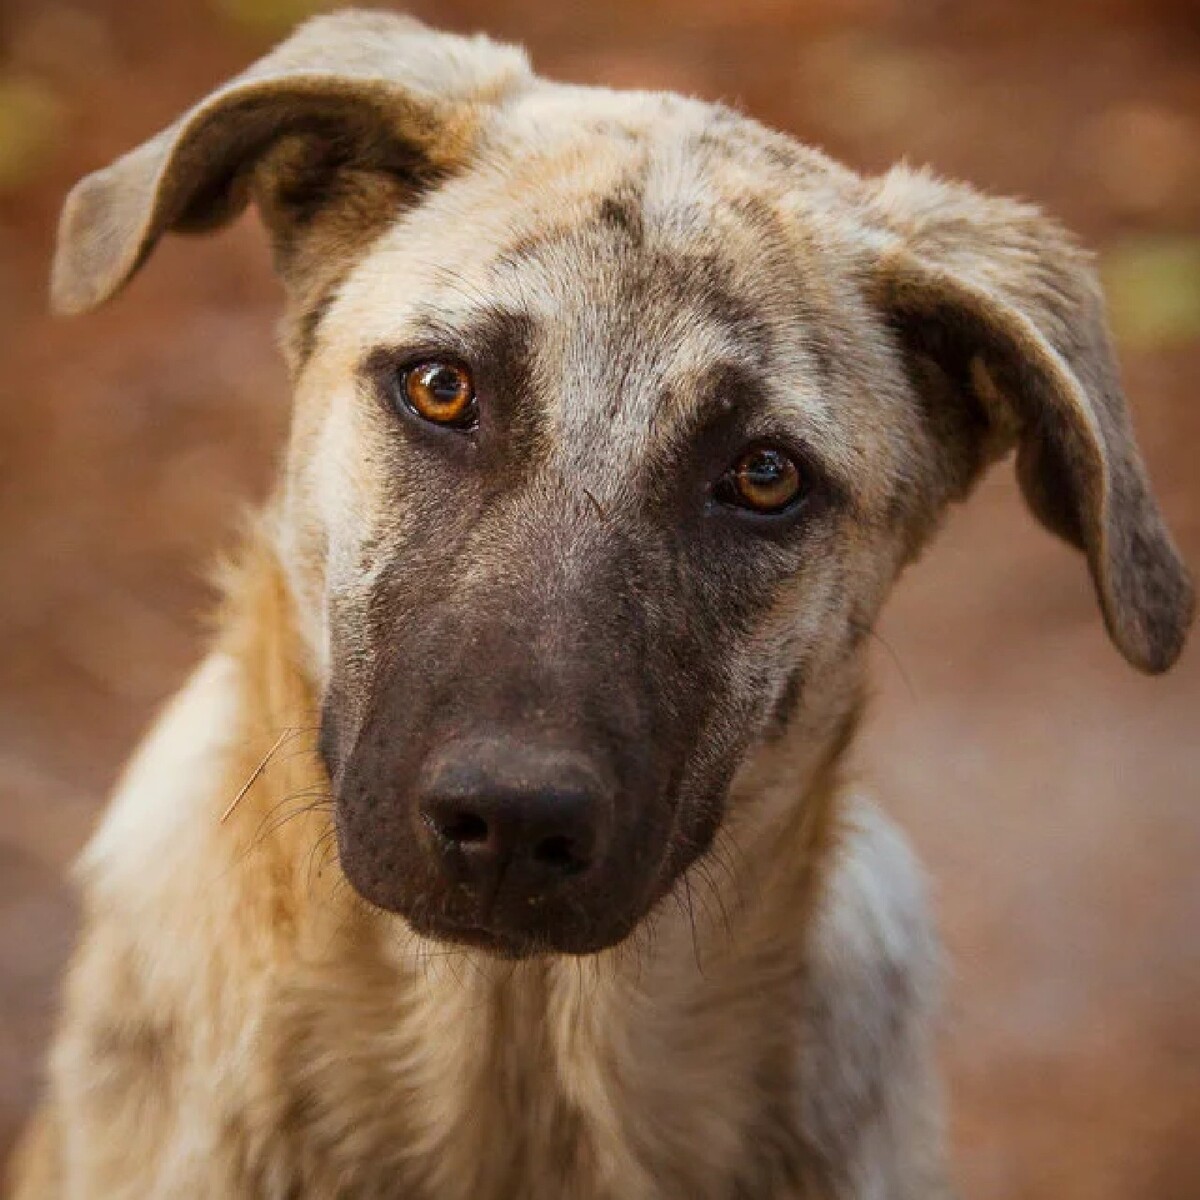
(1053, 794)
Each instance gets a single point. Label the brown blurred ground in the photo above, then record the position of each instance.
(1054, 796)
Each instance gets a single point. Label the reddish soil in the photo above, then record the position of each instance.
(1053, 794)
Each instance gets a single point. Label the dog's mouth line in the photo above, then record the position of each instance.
(472, 936)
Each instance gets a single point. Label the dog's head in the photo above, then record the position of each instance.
(617, 415)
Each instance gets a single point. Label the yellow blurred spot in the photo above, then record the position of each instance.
(30, 124)
(863, 86)
(268, 16)
(56, 41)
(1153, 285)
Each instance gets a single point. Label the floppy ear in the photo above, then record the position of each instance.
(1010, 310)
(357, 91)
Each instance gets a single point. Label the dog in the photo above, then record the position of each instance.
(500, 848)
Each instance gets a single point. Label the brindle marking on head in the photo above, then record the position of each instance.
(623, 212)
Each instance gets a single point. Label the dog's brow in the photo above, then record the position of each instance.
(735, 399)
(729, 389)
(485, 334)
(618, 213)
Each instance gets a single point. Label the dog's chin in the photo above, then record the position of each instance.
(529, 931)
(516, 944)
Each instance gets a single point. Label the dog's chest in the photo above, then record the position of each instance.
(476, 1092)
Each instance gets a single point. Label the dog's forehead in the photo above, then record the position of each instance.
(682, 178)
(645, 243)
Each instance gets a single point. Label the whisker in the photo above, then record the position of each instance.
(317, 799)
(691, 914)
(702, 868)
(324, 841)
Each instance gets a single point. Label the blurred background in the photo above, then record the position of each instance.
(1053, 794)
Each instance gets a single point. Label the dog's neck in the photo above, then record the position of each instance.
(577, 1030)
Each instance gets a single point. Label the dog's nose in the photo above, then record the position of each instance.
(520, 817)
(551, 831)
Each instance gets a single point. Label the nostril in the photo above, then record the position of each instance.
(561, 853)
(464, 829)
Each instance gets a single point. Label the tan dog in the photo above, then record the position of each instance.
(498, 849)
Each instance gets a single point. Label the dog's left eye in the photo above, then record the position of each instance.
(440, 392)
(764, 480)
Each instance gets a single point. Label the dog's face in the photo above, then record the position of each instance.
(616, 417)
(585, 453)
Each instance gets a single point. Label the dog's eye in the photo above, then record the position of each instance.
(765, 479)
(441, 393)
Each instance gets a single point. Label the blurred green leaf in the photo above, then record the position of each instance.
(30, 124)
(1153, 285)
(267, 17)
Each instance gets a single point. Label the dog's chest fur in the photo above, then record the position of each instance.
(528, 1082)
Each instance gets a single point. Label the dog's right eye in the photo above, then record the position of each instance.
(441, 393)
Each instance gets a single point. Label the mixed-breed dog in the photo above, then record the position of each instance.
(499, 847)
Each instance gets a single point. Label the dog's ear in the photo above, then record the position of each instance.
(358, 94)
(1009, 310)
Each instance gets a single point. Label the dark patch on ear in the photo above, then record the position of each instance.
(324, 210)
(333, 164)
(937, 362)
(1046, 485)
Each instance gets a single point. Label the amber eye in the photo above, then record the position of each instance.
(764, 480)
(440, 392)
